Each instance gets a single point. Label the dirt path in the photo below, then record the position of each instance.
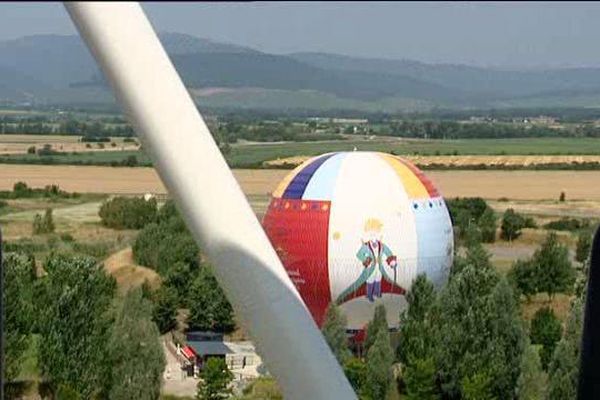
(127, 273)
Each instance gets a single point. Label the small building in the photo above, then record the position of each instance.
(240, 357)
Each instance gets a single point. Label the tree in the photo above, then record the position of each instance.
(555, 273)
(487, 225)
(136, 355)
(415, 341)
(214, 380)
(420, 380)
(209, 308)
(128, 213)
(378, 323)
(356, 372)
(165, 243)
(546, 330)
(532, 380)
(512, 224)
(43, 224)
(549, 270)
(477, 387)
(74, 300)
(164, 310)
(479, 334)
(379, 366)
(524, 277)
(563, 371)
(17, 297)
(334, 331)
(48, 221)
(584, 245)
(179, 278)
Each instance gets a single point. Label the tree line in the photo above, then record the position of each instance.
(468, 339)
(92, 342)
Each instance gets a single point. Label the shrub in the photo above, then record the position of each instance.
(473, 213)
(67, 237)
(31, 150)
(512, 224)
(584, 245)
(128, 213)
(546, 330)
(43, 224)
(162, 244)
(130, 161)
(549, 270)
(21, 190)
(567, 224)
(46, 150)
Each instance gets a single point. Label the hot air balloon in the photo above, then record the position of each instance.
(356, 228)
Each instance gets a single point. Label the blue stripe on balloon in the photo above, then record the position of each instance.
(297, 186)
(322, 183)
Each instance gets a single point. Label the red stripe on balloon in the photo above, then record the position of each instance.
(301, 228)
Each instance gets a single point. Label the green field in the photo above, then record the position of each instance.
(255, 154)
(84, 158)
(252, 155)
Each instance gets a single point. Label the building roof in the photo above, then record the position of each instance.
(210, 348)
(203, 336)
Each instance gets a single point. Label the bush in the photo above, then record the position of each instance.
(163, 243)
(31, 150)
(546, 330)
(128, 213)
(95, 249)
(130, 161)
(22, 191)
(523, 277)
(584, 245)
(473, 213)
(567, 224)
(46, 150)
(43, 224)
(512, 224)
(548, 271)
(67, 237)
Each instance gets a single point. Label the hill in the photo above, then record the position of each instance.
(54, 69)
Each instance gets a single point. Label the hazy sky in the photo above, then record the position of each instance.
(492, 34)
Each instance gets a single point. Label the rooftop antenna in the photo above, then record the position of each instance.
(215, 209)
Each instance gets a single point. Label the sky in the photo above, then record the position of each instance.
(504, 35)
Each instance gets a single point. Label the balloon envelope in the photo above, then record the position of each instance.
(356, 228)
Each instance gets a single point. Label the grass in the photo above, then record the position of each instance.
(253, 155)
(29, 367)
(83, 158)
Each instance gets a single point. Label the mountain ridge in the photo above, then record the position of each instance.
(53, 68)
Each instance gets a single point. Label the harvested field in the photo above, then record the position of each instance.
(18, 144)
(469, 160)
(514, 185)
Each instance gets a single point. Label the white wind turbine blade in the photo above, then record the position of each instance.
(190, 164)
